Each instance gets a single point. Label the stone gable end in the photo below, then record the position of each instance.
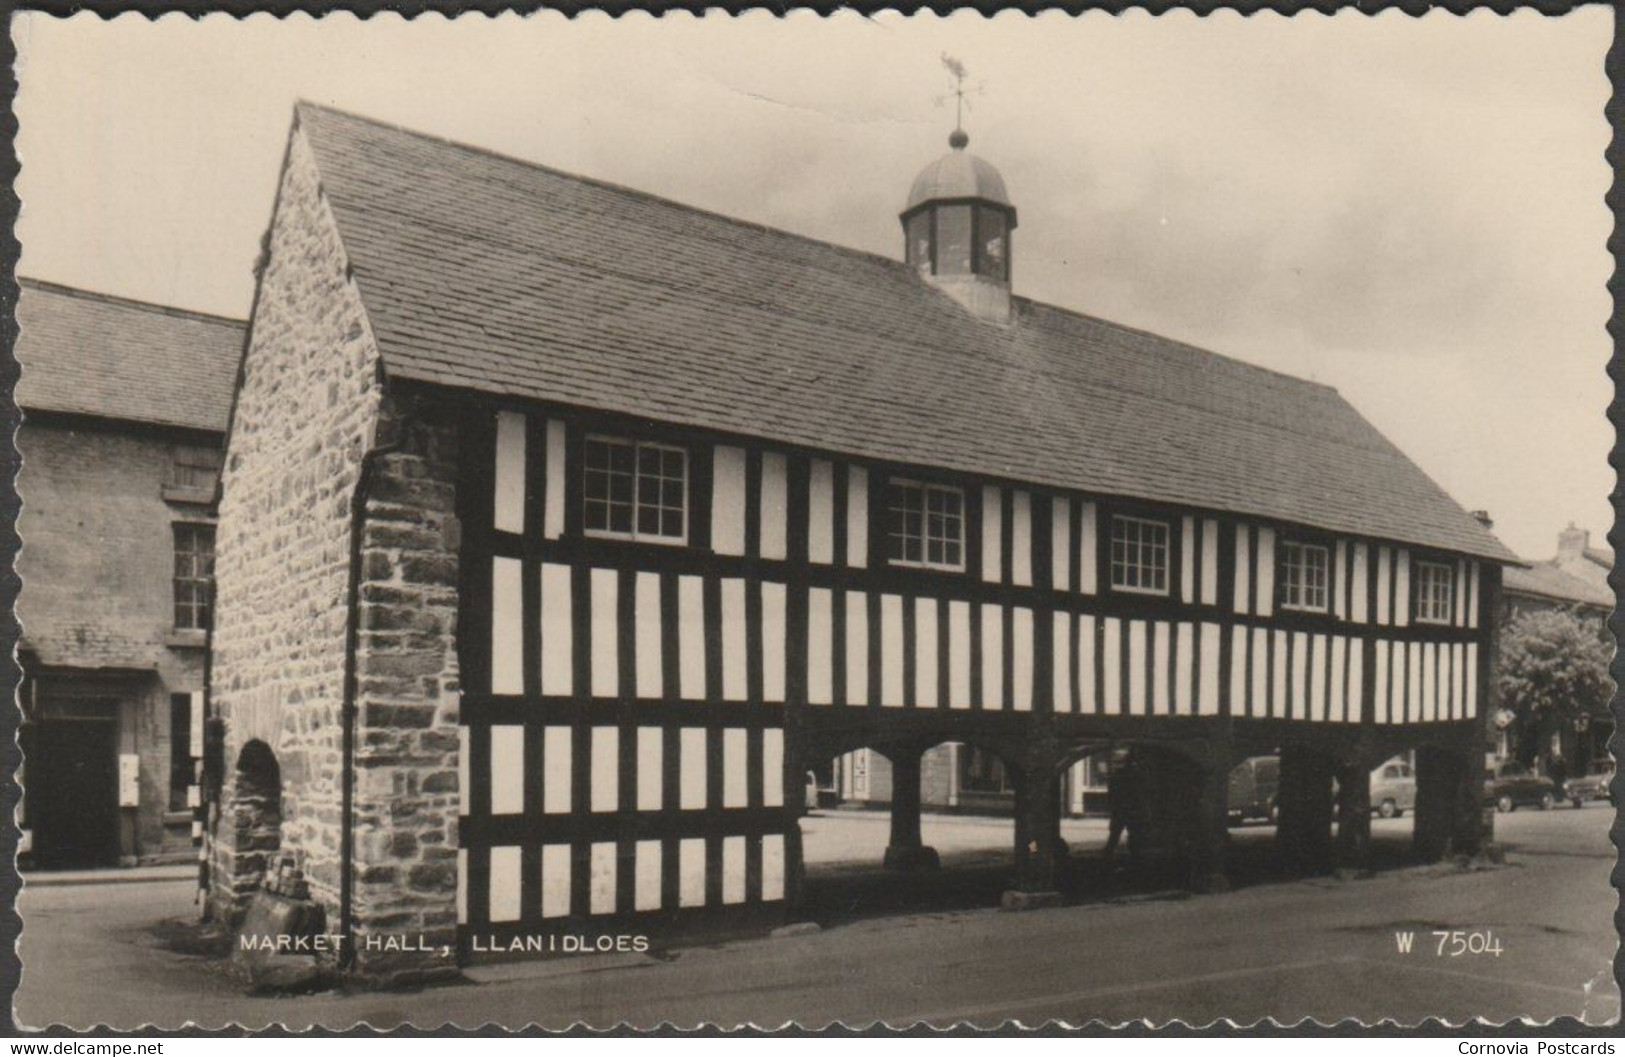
(307, 408)
(311, 405)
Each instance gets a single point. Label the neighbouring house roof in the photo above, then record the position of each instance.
(1546, 580)
(94, 354)
(491, 274)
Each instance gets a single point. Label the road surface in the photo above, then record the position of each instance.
(1327, 949)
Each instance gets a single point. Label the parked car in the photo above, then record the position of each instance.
(1593, 786)
(1393, 789)
(1516, 786)
(1253, 784)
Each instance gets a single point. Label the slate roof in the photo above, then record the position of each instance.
(492, 274)
(94, 354)
(1546, 580)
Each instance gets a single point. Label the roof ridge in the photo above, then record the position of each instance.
(752, 225)
(608, 185)
(1142, 332)
(152, 306)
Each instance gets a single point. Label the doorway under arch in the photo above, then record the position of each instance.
(873, 848)
(252, 822)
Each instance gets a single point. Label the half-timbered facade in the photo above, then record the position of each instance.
(650, 512)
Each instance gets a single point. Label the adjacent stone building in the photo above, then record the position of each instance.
(1575, 580)
(565, 529)
(124, 408)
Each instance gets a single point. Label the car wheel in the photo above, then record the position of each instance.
(1387, 809)
(1503, 803)
(1576, 801)
(1546, 801)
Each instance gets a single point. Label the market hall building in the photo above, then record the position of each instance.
(565, 528)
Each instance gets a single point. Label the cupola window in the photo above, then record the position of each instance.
(919, 241)
(953, 240)
(992, 244)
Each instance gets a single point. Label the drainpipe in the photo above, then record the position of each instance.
(352, 636)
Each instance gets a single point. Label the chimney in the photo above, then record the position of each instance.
(1483, 518)
(1572, 543)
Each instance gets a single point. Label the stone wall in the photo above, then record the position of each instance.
(306, 410)
(312, 404)
(937, 786)
(407, 794)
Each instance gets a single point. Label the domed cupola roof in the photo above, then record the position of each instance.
(958, 174)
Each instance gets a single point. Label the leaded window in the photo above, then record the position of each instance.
(926, 525)
(194, 576)
(1434, 588)
(1305, 576)
(1139, 555)
(635, 489)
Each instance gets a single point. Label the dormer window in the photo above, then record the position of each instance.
(193, 469)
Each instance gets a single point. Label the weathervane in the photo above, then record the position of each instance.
(959, 92)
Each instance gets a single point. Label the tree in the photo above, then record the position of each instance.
(1551, 670)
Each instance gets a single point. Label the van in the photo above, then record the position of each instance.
(1252, 788)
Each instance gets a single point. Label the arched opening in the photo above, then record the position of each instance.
(900, 827)
(254, 817)
(1305, 807)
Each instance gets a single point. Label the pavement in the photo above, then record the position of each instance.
(1125, 950)
(112, 875)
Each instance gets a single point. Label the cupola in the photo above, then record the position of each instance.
(956, 230)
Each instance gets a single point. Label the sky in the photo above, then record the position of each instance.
(1410, 210)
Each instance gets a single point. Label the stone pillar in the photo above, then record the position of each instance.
(1354, 818)
(906, 851)
(407, 800)
(1303, 835)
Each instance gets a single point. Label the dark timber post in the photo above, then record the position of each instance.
(1449, 818)
(906, 851)
(1213, 822)
(1039, 848)
(1430, 838)
(1354, 817)
(1303, 833)
(1473, 828)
